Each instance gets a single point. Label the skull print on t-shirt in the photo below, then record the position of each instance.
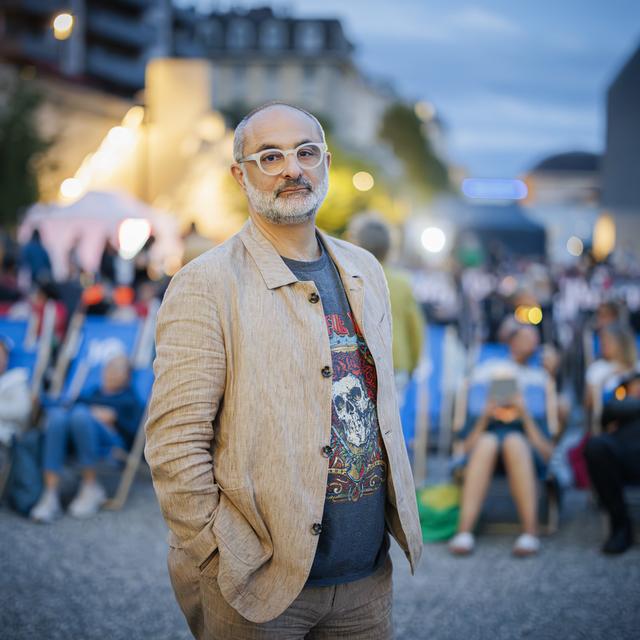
(356, 467)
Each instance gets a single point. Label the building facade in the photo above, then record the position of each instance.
(621, 166)
(257, 56)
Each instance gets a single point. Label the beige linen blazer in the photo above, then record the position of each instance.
(241, 410)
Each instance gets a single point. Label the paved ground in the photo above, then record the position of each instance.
(106, 579)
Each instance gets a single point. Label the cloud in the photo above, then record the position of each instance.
(477, 20)
(493, 132)
(510, 110)
(459, 26)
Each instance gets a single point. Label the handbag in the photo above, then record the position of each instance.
(439, 510)
(579, 463)
(25, 483)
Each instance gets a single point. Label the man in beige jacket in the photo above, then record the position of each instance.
(273, 435)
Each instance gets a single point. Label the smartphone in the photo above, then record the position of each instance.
(502, 391)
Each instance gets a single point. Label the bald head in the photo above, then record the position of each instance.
(116, 373)
(270, 114)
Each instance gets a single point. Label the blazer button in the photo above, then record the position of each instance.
(326, 372)
(327, 451)
(316, 528)
(314, 297)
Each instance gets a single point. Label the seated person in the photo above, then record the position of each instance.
(508, 432)
(104, 418)
(15, 398)
(41, 294)
(613, 459)
(523, 340)
(618, 357)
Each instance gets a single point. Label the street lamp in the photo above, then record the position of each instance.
(62, 26)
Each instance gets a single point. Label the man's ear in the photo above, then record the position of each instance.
(328, 156)
(237, 174)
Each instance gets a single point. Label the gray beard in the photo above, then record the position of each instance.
(282, 211)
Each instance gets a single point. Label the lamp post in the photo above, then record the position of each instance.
(63, 26)
(68, 30)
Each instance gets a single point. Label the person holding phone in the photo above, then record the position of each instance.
(504, 436)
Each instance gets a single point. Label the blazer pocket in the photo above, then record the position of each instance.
(240, 530)
(209, 568)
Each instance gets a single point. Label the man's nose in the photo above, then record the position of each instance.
(291, 167)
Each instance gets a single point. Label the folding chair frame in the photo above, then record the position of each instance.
(141, 358)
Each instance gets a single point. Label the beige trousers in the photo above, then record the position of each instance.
(358, 610)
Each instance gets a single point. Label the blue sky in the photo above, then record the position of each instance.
(513, 80)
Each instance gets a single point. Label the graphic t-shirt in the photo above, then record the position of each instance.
(353, 542)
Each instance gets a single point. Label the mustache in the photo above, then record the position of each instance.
(291, 184)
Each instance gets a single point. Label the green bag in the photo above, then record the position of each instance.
(439, 509)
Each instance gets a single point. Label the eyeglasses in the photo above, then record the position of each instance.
(272, 161)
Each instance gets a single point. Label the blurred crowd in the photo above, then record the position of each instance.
(545, 389)
(59, 397)
(27, 283)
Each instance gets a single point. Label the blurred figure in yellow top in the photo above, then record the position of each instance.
(372, 233)
(195, 244)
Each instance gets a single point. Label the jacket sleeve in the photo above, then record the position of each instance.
(190, 371)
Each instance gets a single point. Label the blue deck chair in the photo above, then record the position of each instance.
(143, 384)
(27, 350)
(428, 405)
(433, 355)
(27, 353)
(498, 351)
(541, 400)
(85, 378)
(90, 341)
(16, 331)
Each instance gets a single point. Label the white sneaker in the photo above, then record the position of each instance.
(462, 544)
(526, 545)
(88, 501)
(48, 508)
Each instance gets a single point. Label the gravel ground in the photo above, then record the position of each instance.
(106, 578)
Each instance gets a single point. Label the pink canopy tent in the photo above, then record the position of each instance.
(88, 222)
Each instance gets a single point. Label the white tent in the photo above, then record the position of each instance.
(88, 222)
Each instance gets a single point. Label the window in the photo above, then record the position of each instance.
(309, 37)
(240, 35)
(272, 35)
(209, 35)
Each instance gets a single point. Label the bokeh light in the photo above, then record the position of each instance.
(363, 181)
(132, 234)
(534, 315)
(433, 239)
(62, 26)
(424, 110)
(575, 246)
(71, 189)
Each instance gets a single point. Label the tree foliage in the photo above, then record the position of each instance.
(405, 133)
(21, 144)
(343, 199)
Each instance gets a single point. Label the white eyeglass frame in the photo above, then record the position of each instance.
(255, 157)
